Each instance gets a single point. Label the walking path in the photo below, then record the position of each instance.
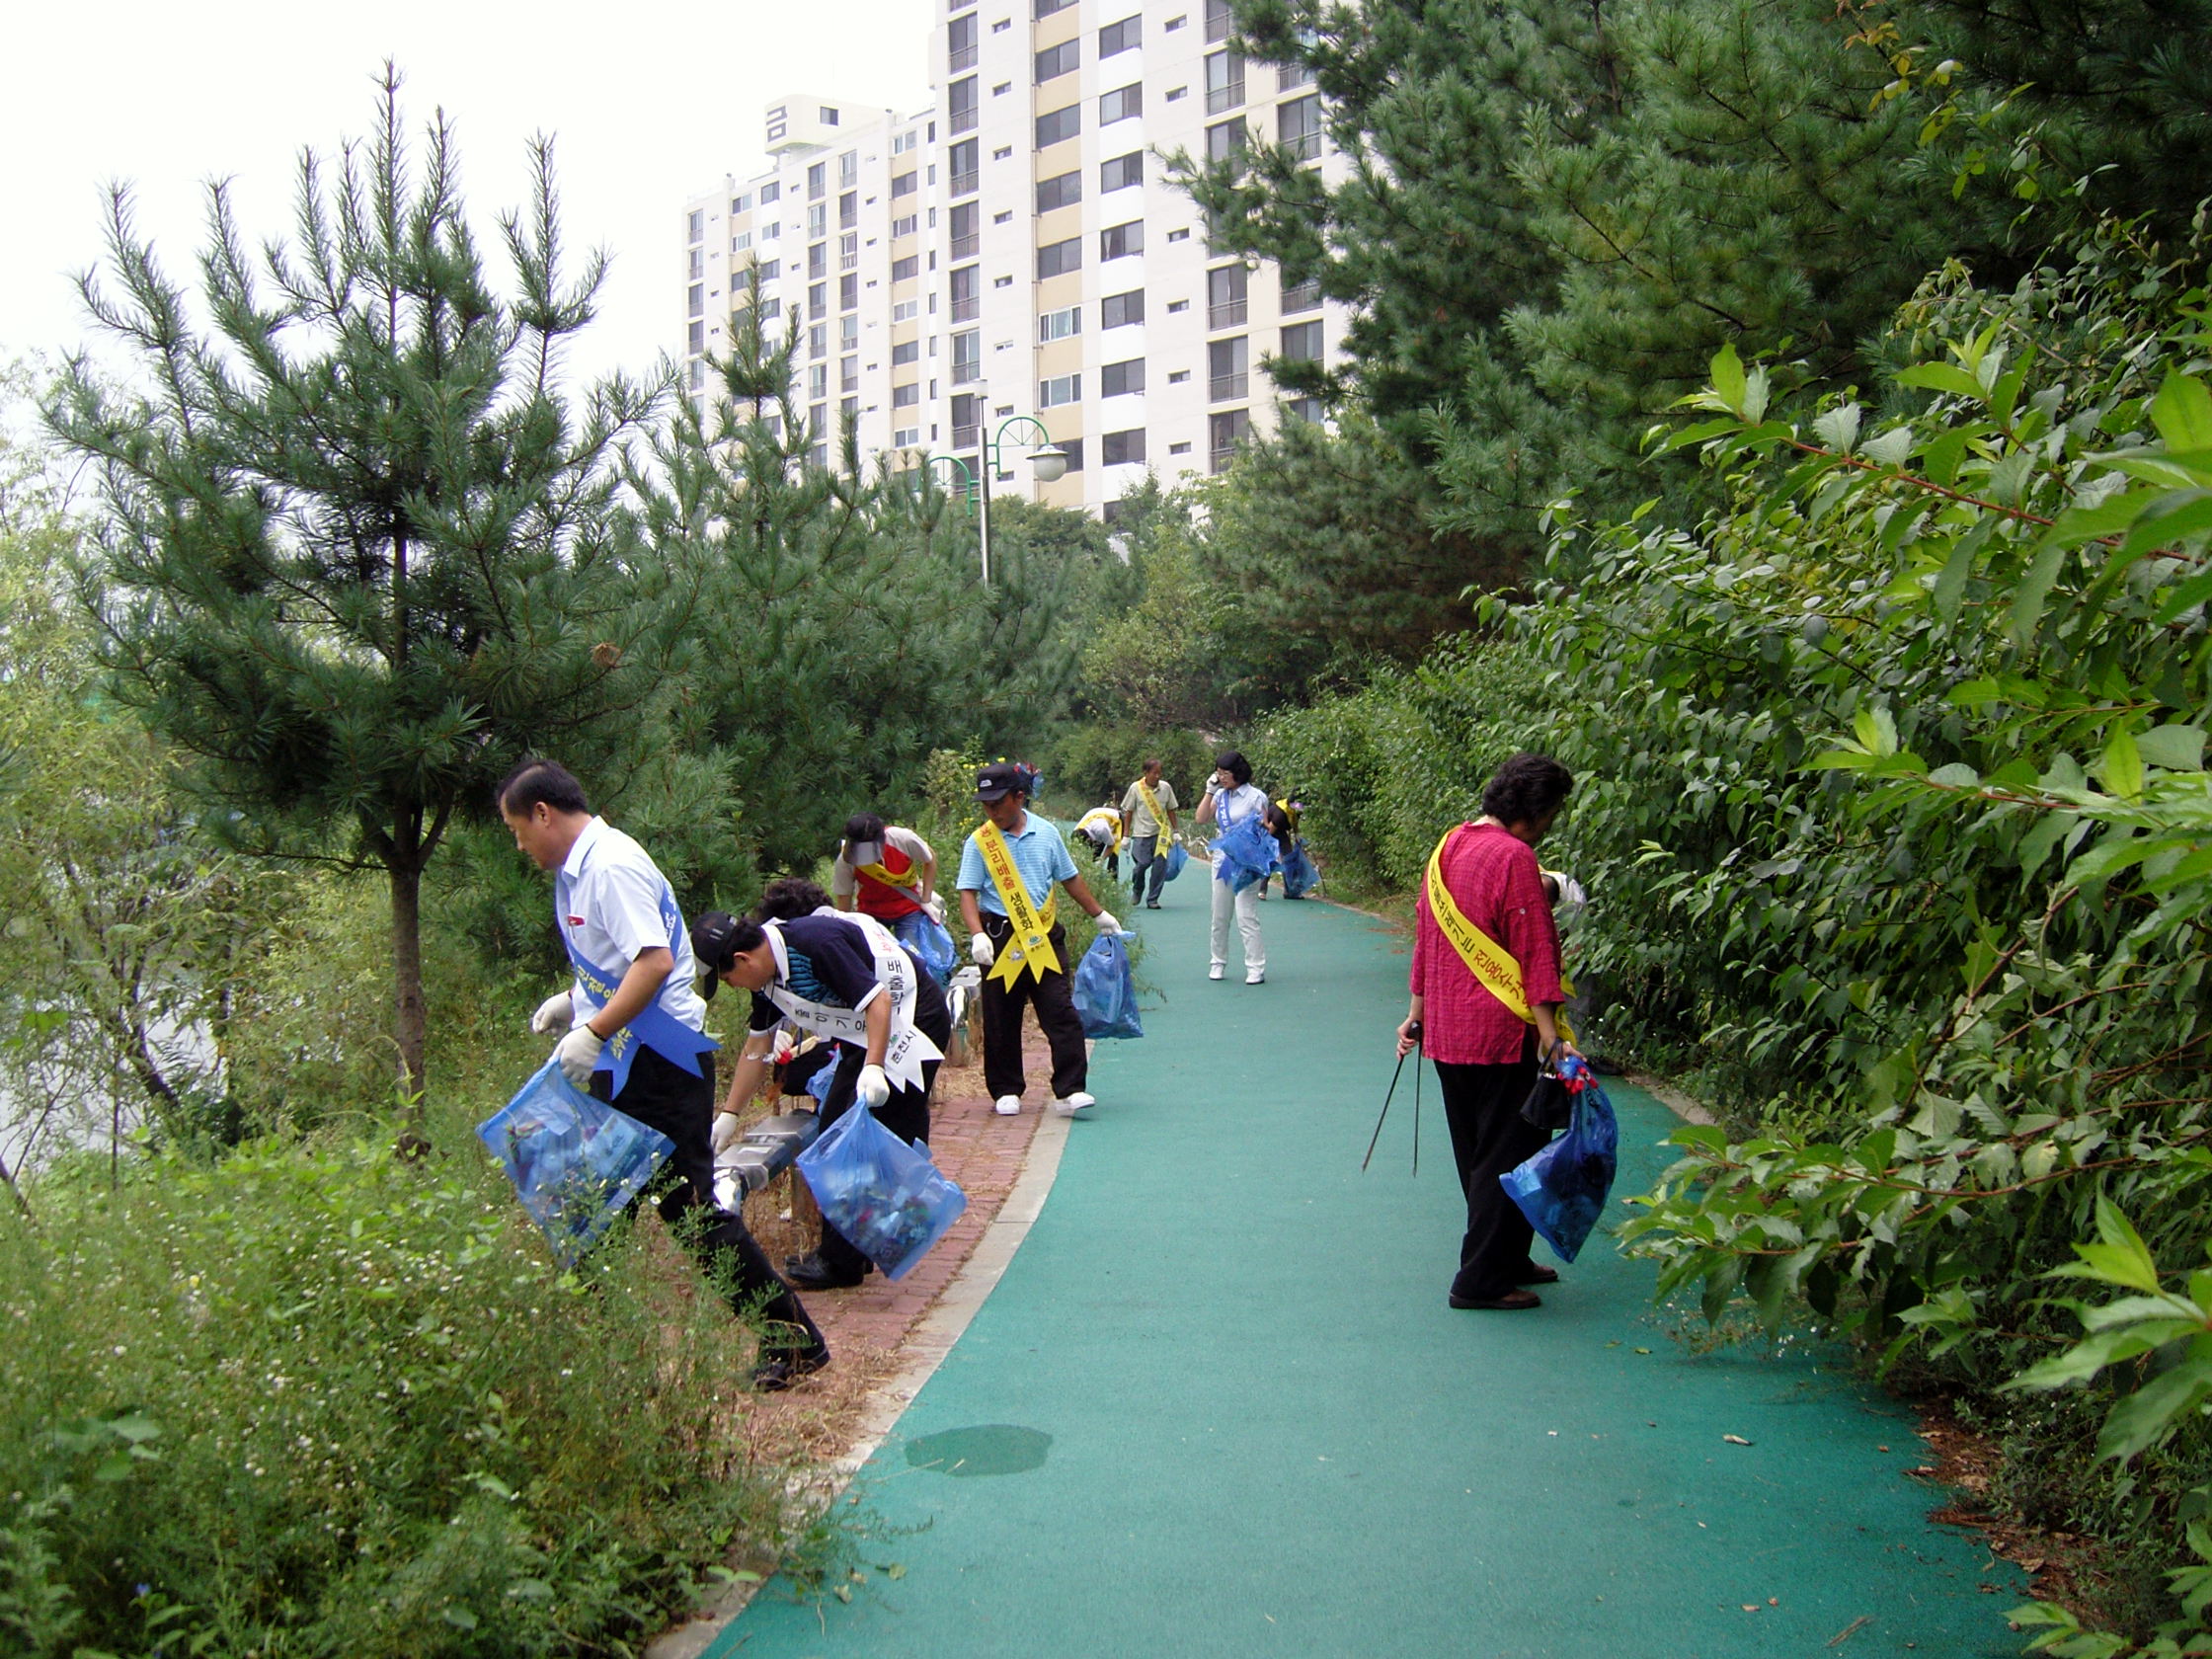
(1217, 1405)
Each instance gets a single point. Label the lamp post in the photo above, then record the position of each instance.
(1047, 462)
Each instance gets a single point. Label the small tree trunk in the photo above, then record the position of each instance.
(408, 1023)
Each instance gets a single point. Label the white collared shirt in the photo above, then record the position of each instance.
(615, 915)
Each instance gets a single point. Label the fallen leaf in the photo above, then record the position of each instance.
(896, 1569)
(1774, 1601)
(844, 1593)
(1643, 1350)
(2032, 1563)
(1750, 1607)
(1735, 1440)
(1881, 1449)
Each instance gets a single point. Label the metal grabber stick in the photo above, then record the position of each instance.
(1386, 1098)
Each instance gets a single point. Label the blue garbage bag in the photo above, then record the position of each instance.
(1106, 992)
(1178, 855)
(931, 944)
(1562, 1188)
(1244, 854)
(887, 1197)
(1299, 873)
(576, 1162)
(820, 1081)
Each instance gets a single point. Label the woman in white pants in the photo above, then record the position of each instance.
(1230, 800)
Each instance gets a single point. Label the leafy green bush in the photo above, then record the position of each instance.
(1088, 760)
(314, 1400)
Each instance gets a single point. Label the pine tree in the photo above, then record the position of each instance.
(352, 557)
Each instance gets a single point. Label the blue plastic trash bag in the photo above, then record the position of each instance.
(1245, 855)
(1105, 991)
(1562, 1188)
(820, 1079)
(576, 1162)
(1299, 873)
(887, 1197)
(931, 944)
(1178, 855)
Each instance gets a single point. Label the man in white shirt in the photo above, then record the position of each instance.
(1149, 836)
(641, 1042)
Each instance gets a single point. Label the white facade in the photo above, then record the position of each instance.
(1051, 269)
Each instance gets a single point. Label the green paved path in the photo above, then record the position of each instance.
(1217, 1405)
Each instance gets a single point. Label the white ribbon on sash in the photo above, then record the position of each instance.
(909, 1049)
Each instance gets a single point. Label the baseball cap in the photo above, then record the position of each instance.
(713, 940)
(1000, 779)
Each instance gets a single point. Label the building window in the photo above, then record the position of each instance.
(770, 191)
(1046, 8)
(828, 116)
(967, 420)
(848, 293)
(697, 338)
(906, 351)
(1305, 409)
(907, 310)
(1224, 429)
(698, 300)
(907, 396)
(1060, 389)
(1217, 20)
(1118, 379)
(848, 374)
(907, 437)
(960, 106)
(905, 269)
(818, 300)
(967, 217)
(1122, 240)
(1062, 190)
(1122, 448)
(848, 169)
(960, 45)
(965, 292)
(1121, 172)
(1178, 449)
(964, 157)
(1056, 258)
(1121, 36)
(818, 261)
(818, 381)
(740, 242)
(1054, 125)
(967, 359)
(1225, 81)
(818, 181)
(905, 227)
(849, 210)
(740, 204)
(1072, 448)
(904, 184)
(1229, 369)
(698, 263)
(1226, 140)
(818, 340)
(696, 226)
(1302, 341)
(849, 333)
(1292, 75)
(1227, 290)
(772, 231)
(1058, 325)
(1115, 310)
(818, 220)
(1056, 61)
(848, 251)
(1297, 126)
(1121, 103)
(1302, 297)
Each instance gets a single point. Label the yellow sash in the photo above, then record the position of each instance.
(1495, 971)
(1031, 946)
(877, 872)
(1152, 806)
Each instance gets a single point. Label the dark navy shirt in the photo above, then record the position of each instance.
(828, 963)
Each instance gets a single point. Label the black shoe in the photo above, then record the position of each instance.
(779, 1368)
(1151, 903)
(810, 1273)
(1511, 1302)
(1534, 1275)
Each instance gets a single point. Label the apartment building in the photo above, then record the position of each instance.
(1026, 253)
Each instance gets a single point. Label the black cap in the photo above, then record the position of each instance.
(713, 940)
(1000, 779)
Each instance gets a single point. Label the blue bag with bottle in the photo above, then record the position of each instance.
(1106, 992)
(1178, 855)
(1562, 1188)
(1298, 874)
(887, 1197)
(931, 944)
(1244, 854)
(576, 1162)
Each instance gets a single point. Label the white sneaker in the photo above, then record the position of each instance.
(1006, 1105)
(1216, 971)
(1075, 1105)
(1255, 975)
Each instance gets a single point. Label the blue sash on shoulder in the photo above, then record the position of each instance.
(657, 1028)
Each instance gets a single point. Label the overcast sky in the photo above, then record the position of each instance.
(649, 101)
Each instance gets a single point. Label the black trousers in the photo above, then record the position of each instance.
(1482, 1106)
(663, 1095)
(906, 1114)
(1053, 999)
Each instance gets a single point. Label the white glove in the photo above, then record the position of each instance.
(980, 951)
(782, 1047)
(1106, 923)
(555, 1013)
(579, 1055)
(724, 1131)
(935, 905)
(873, 1088)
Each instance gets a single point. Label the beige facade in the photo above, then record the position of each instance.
(1024, 253)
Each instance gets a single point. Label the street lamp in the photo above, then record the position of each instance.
(1048, 463)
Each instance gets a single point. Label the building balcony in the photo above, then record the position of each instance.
(1228, 314)
(964, 184)
(965, 247)
(1228, 387)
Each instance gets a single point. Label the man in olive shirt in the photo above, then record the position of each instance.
(1146, 834)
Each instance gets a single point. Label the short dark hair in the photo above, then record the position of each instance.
(864, 826)
(786, 899)
(1234, 764)
(1526, 789)
(536, 780)
(1151, 763)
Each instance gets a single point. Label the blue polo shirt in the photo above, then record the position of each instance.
(1040, 855)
